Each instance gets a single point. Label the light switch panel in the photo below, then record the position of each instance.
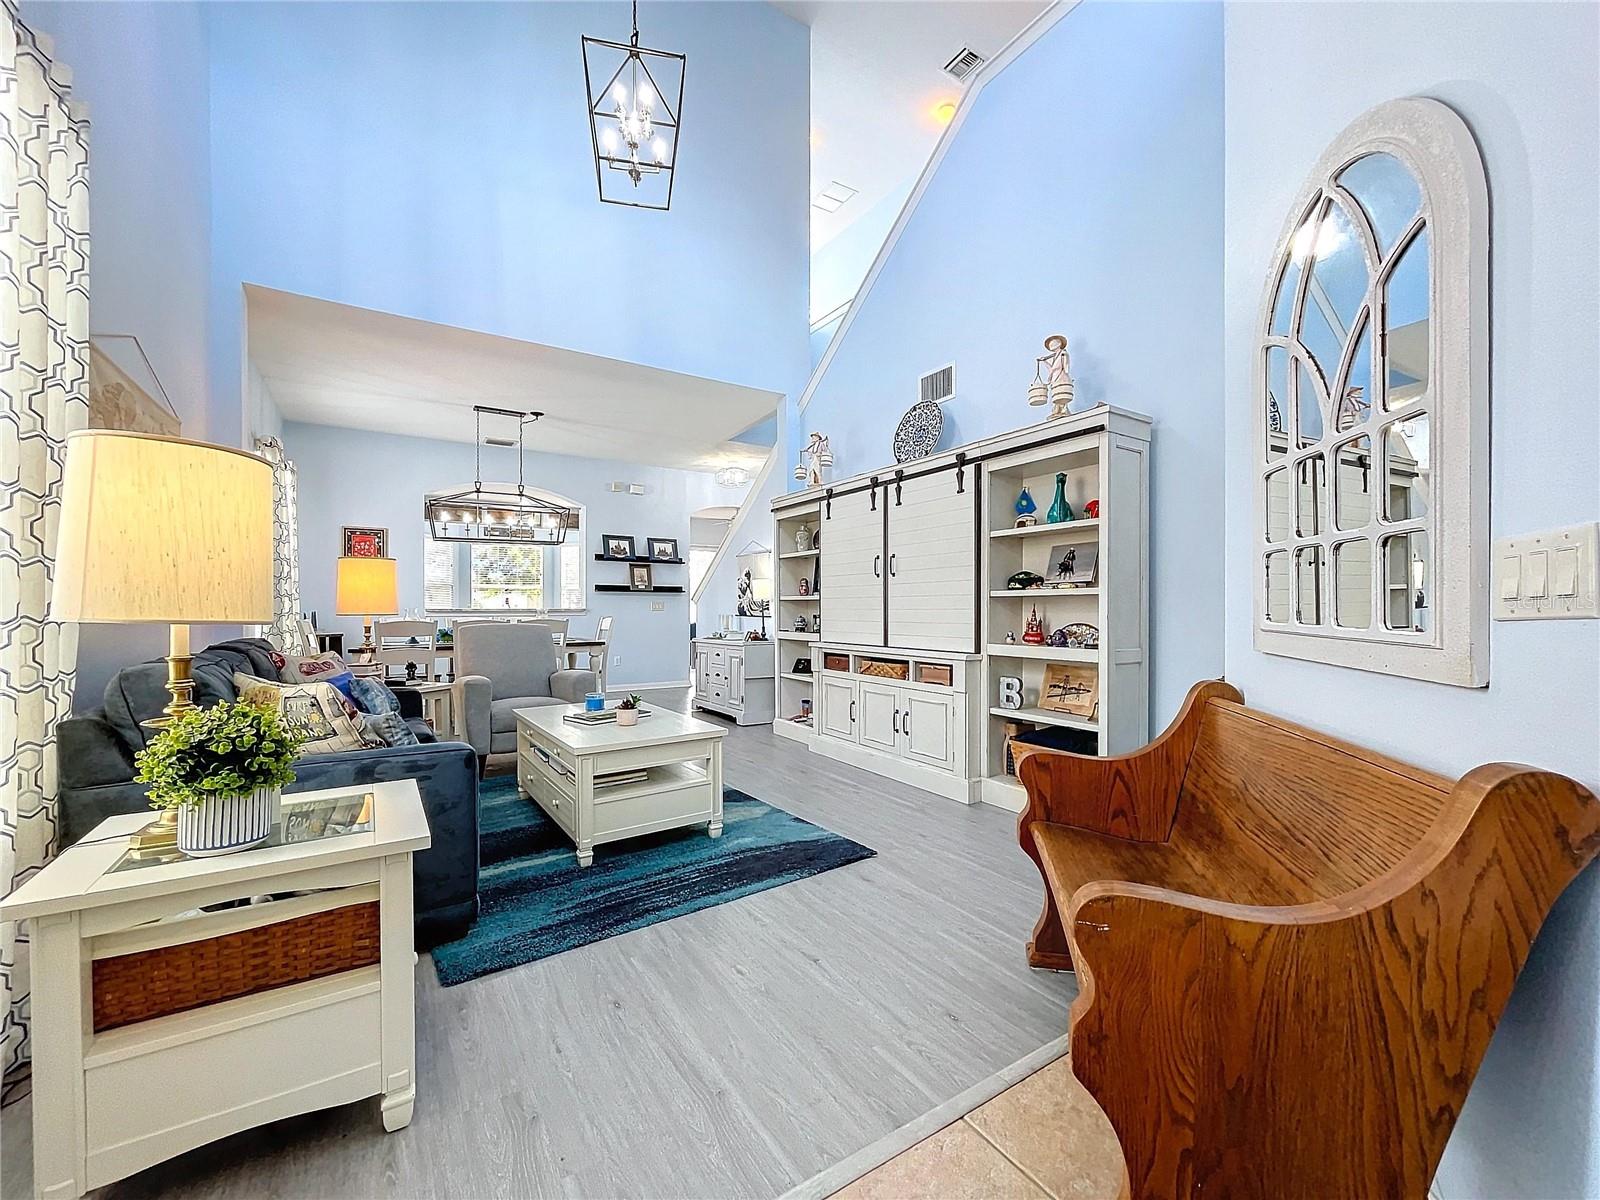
(1547, 576)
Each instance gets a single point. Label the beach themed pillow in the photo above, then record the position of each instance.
(317, 712)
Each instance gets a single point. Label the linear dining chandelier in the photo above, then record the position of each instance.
(497, 514)
(634, 96)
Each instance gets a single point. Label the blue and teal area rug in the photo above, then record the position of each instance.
(536, 901)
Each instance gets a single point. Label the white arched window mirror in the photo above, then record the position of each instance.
(1371, 406)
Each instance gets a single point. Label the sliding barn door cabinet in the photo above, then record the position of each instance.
(917, 663)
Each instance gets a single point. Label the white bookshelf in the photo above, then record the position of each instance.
(1113, 468)
(794, 565)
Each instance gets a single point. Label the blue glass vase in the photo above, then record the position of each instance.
(1060, 510)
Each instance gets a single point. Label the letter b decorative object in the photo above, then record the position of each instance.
(1010, 691)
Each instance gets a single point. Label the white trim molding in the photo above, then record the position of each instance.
(1370, 407)
(985, 75)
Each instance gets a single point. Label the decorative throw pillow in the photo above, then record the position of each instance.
(310, 668)
(391, 727)
(373, 696)
(317, 712)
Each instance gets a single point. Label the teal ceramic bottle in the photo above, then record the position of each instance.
(1060, 510)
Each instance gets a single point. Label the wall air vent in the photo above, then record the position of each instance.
(937, 386)
(966, 61)
(499, 441)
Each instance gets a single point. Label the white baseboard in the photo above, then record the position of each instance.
(647, 687)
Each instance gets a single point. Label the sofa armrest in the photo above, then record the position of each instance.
(90, 754)
(410, 701)
(80, 809)
(573, 686)
(472, 696)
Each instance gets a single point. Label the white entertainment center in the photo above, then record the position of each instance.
(912, 575)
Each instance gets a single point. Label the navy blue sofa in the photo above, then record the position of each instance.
(95, 763)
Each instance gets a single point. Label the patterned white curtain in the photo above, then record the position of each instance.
(284, 632)
(44, 386)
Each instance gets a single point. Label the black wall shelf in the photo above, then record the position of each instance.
(622, 587)
(666, 562)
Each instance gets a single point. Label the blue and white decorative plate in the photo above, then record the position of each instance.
(918, 433)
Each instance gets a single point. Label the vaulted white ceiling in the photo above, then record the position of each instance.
(331, 364)
(877, 79)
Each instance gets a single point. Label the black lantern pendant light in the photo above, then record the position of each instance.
(635, 98)
(498, 514)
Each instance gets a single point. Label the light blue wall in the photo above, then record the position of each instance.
(352, 477)
(433, 160)
(1105, 225)
(840, 264)
(141, 68)
(1523, 76)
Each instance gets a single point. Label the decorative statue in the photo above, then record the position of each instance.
(1033, 635)
(1025, 509)
(1052, 378)
(1092, 509)
(802, 536)
(814, 459)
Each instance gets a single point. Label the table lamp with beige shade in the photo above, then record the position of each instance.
(160, 529)
(366, 588)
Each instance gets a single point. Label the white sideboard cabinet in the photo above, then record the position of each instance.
(735, 678)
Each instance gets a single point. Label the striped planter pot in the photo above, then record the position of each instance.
(224, 824)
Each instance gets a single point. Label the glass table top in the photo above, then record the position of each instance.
(301, 821)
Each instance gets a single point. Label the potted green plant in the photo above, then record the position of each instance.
(223, 770)
(628, 709)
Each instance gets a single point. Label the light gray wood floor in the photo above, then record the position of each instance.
(734, 1052)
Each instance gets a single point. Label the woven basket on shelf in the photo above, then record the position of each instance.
(171, 979)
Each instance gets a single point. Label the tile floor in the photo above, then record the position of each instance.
(1040, 1139)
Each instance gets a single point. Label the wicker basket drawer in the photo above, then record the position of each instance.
(884, 668)
(171, 979)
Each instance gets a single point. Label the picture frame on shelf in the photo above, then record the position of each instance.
(361, 541)
(640, 578)
(617, 546)
(1071, 688)
(663, 548)
(1072, 565)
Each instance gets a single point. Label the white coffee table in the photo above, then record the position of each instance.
(112, 1098)
(564, 768)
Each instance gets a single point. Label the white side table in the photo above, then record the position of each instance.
(438, 707)
(115, 1093)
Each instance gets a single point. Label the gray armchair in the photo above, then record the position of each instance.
(501, 667)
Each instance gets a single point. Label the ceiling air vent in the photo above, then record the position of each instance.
(966, 61)
(499, 441)
(937, 386)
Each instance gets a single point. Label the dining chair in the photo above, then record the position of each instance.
(603, 636)
(401, 643)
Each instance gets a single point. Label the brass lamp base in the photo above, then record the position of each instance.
(180, 679)
(160, 834)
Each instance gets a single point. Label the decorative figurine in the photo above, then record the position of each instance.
(805, 586)
(1026, 509)
(1033, 635)
(1092, 509)
(802, 539)
(1052, 378)
(799, 624)
(1060, 510)
(1011, 637)
(1023, 580)
(814, 459)
(1010, 691)
(816, 623)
